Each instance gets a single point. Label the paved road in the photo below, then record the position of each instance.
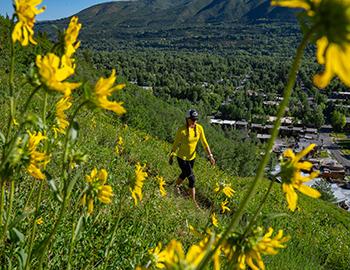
(334, 149)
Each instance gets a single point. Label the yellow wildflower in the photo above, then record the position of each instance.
(161, 182)
(331, 19)
(15, 122)
(174, 257)
(37, 160)
(71, 35)
(158, 256)
(53, 71)
(119, 148)
(293, 179)
(103, 89)
(224, 206)
(224, 188)
(62, 105)
(120, 141)
(140, 176)
(250, 248)
(39, 221)
(214, 220)
(25, 11)
(97, 189)
(194, 231)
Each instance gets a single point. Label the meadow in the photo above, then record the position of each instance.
(85, 181)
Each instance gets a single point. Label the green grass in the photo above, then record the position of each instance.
(345, 144)
(319, 230)
(323, 154)
(345, 152)
(339, 135)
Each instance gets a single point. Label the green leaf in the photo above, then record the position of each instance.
(79, 227)
(16, 235)
(52, 185)
(22, 217)
(35, 120)
(73, 132)
(22, 258)
(2, 137)
(276, 215)
(9, 263)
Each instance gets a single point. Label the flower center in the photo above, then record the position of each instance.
(333, 16)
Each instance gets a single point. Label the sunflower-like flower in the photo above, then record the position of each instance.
(158, 256)
(224, 206)
(104, 89)
(25, 11)
(140, 176)
(70, 37)
(249, 249)
(62, 123)
(53, 71)
(161, 182)
(97, 188)
(331, 20)
(174, 257)
(37, 160)
(293, 179)
(224, 188)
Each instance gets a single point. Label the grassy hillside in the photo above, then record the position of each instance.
(319, 230)
(118, 235)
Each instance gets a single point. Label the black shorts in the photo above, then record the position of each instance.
(186, 167)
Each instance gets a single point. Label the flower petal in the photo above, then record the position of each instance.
(291, 196)
(304, 152)
(309, 191)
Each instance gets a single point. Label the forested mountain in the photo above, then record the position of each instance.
(160, 13)
(165, 13)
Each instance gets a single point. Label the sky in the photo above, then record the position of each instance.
(55, 9)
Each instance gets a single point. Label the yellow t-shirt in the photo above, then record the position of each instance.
(185, 142)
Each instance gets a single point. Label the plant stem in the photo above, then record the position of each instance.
(67, 188)
(30, 195)
(44, 108)
(65, 155)
(32, 94)
(9, 210)
(38, 201)
(47, 241)
(260, 173)
(11, 86)
(70, 253)
(32, 236)
(253, 219)
(71, 247)
(2, 199)
(111, 241)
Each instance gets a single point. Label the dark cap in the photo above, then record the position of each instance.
(192, 114)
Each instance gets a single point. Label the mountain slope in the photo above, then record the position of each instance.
(159, 13)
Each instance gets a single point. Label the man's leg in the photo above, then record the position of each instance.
(184, 172)
(178, 184)
(193, 195)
